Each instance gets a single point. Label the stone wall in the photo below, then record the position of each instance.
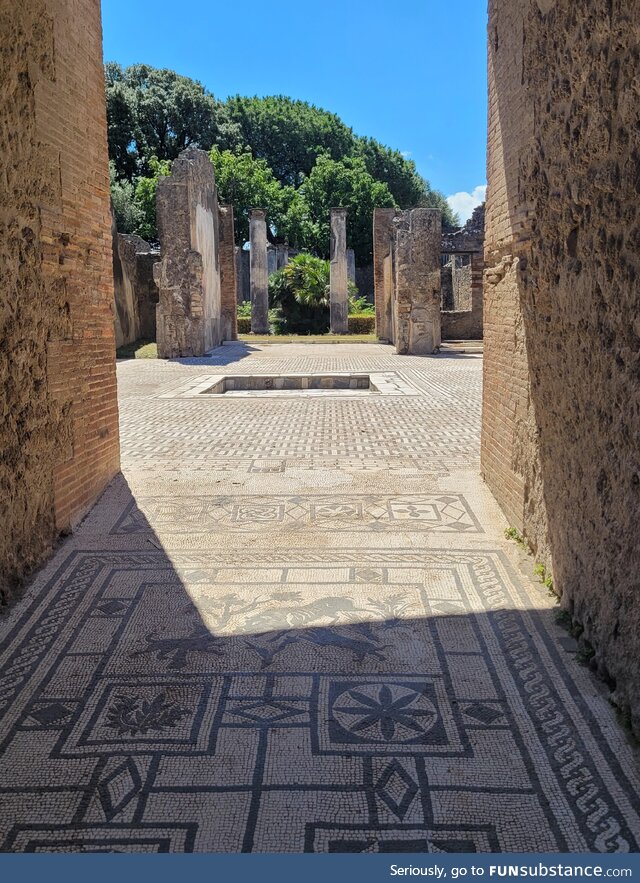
(135, 292)
(462, 298)
(464, 321)
(189, 314)
(365, 282)
(243, 275)
(59, 428)
(561, 418)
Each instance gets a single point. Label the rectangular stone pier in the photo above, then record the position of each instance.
(189, 320)
(407, 278)
(259, 272)
(339, 272)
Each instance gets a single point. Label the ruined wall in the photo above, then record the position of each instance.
(135, 292)
(461, 286)
(59, 428)
(416, 315)
(561, 417)
(462, 300)
(465, 320)
(189, 313)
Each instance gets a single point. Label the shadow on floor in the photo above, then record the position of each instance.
(339, 701)
(221, 355)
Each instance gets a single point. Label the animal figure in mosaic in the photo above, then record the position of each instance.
(359, 639)
(176, 650)
(329, 608)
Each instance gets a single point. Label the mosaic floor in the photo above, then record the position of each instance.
(294, 624)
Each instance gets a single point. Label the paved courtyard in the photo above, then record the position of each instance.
(294, 623)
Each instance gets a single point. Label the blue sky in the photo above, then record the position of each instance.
(411, 74)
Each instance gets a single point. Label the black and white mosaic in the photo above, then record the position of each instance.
(412, 704)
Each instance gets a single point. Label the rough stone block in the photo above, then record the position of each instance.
(189, 314)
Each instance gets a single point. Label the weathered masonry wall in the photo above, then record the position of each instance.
(406, 267)
(59, 427)
(135, 292)
(189, 313)
(561, 418)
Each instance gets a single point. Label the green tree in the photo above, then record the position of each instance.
(246, 183)
(126, 212)
(289, 135)
(145, 198)
(159, 113)
(349, 185)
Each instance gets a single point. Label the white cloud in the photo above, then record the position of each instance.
(406, 153)
(463, 203)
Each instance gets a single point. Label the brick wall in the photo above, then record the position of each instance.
(561, 417)
(506, 453)
(59, 432)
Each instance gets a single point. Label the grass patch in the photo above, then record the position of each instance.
(511, 533)
(541, 572)
(140, 349)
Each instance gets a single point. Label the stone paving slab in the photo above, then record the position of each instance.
(297, 625)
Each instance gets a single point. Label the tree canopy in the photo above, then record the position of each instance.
(289, 135)
(293, 159)
(159, 113)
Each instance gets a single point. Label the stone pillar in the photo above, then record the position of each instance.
(477, 273)
(188, 276)
(383, 273)
(417, 281)
(338, 275)
(259, 272)
(351, 265)
(228, 281)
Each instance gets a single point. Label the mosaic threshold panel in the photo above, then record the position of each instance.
(292, 701)
(432, 513)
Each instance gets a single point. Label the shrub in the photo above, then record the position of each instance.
(359, 306)
(244, 325)
(362, 324)
(244, 309)
(300, 294)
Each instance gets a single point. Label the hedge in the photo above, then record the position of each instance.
(357, 324)
(362, 324)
